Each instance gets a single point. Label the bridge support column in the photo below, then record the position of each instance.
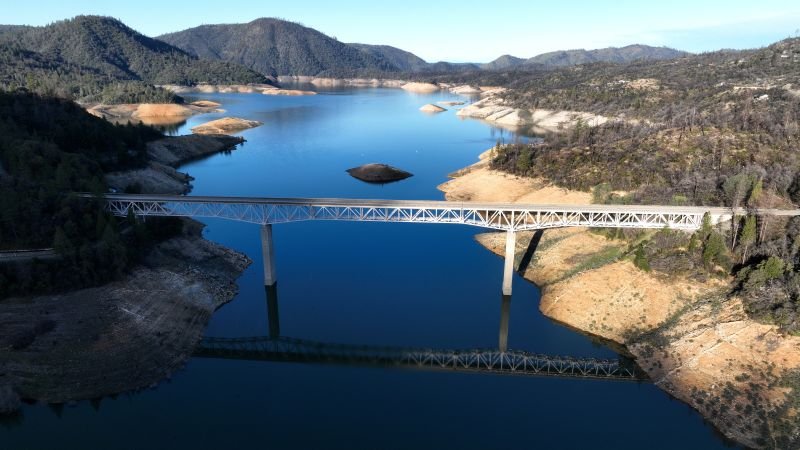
(508, 268)
(273, 321)
(268, 252)
(505, 308)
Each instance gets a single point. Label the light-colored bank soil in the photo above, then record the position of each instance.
(150, 113)
(692, 340)
(422, 88)
(339, 82)
(218, 88)
(287, 92)
(492, 108)
(226, 125)
(431, 108)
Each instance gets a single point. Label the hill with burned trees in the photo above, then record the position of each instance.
(713, 129)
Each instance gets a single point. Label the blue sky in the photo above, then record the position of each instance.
(464, 30)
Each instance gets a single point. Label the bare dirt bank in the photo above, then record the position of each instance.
(150, 113)
(692, 340)
(338, 82)
(160, 176)
(492, 108)
(122, 336)
(226, 125)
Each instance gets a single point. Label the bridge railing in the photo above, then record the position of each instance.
(496, 216)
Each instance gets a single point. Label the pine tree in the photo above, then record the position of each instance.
(755, 193)
(748, 235)
(713, 248)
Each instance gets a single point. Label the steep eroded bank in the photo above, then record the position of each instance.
(131, 333)
(693, 341)
(126, 335)
(160, 176)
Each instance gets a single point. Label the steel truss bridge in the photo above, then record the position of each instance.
(283, 349)
(499, 216)
(510, 217)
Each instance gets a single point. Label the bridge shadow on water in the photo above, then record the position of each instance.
(278, 348)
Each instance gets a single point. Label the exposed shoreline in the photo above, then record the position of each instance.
(692, 341)
(160, 176)
(121, 336)
(493, 109)
(132, 342)
(154, 114)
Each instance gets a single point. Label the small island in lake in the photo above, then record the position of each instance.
(226, 125)
(378, 173)
(431, 108)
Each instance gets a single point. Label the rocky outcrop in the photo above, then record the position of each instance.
(205, 104)
(176, 150)
(422, 88)
(493, 109)
(150, 113)
(218, 88)
(153, 179)
(160, 176)
(378, 173)
(465, 89)
(123, 336)
(342, 82)
(226, 125)
(287, 92)
(450, 103)
(431, 108)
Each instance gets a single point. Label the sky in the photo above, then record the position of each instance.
(465, 30)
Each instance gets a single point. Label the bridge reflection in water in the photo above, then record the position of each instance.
(277, 348)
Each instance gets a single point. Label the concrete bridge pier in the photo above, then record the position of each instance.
(273, 321)
(268, 252)
(508, 268)
(505, 308)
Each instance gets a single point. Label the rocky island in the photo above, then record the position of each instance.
(431, 108)
(378, 173)
(226, 125)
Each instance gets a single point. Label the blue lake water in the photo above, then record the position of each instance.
(366, 283)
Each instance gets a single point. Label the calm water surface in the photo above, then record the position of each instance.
(366, 283)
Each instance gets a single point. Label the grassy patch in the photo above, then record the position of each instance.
(604, 257)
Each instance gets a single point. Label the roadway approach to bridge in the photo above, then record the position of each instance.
(509, 217)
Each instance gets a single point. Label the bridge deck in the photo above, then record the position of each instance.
(504, 216)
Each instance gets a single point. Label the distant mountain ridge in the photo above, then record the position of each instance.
(109, 47)
(401, 59)
(277, 47)
(565, 58)
(630, 53)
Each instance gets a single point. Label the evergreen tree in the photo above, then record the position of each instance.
(748, 235)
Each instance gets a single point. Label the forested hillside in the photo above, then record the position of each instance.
(277, 47)
(714, 129)
(81, 57)
(50, 148)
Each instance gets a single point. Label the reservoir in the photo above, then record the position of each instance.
(383, 284)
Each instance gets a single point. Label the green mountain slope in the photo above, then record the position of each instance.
(80, 57)
(277, 47)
